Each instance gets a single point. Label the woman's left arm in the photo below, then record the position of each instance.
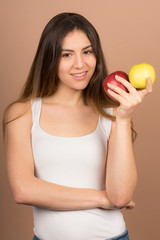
(121, 173)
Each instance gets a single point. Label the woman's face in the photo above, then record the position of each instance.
(77, 62)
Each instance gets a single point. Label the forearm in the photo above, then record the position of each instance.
(37, 192)
(121, 168)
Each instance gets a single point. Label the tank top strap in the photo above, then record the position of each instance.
(106, 123)
(36, 109)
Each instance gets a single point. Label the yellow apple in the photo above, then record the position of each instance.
(138, 75)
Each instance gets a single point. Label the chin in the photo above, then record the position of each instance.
(81, 86)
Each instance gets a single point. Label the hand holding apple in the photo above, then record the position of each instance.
(138, 75)
(126, 94)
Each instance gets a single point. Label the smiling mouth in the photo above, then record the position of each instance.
(79, 74)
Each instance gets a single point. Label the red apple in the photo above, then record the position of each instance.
(111, 79)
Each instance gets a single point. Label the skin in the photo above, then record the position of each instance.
(121, 172)
(80, 120)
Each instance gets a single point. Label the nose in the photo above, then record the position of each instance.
(78, 61)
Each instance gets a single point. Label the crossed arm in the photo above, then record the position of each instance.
(28, 189)
(121, 174)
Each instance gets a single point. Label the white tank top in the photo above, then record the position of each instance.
(75, 162)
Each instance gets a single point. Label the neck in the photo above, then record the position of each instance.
(68, 97)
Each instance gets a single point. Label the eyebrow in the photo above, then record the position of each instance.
(69, 50)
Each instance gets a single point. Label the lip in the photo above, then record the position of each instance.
(80, 75)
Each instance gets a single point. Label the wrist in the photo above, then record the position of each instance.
(104, 202)
(102, 199)
(123, 120)
(96, 198)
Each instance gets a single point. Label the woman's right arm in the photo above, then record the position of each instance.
(25, 186)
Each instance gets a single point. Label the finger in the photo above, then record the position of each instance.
(131, 205)
(149, 85)
(129, 208)
(118, 97)
(118, 90)
(148, 88)
(127, 84)
(126, 99)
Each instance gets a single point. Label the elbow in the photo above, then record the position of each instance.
(22, 191)
(19, 195)
(120, 200)
(18, 199)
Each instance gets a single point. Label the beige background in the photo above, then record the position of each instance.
(130, 34)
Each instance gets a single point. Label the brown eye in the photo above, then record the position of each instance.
(66, 55)
(87, 52)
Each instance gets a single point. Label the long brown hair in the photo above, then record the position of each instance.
(43, 80)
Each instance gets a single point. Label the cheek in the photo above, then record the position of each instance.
(92, 63)
(63, 68)
(93, 67)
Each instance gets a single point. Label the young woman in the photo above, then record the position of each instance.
(69, 146)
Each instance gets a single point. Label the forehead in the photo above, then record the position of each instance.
(75, 39)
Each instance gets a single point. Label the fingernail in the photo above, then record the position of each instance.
(150, 79)
(117, 77)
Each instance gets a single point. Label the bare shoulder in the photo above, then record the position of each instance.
(18, 109)
(19, 115)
